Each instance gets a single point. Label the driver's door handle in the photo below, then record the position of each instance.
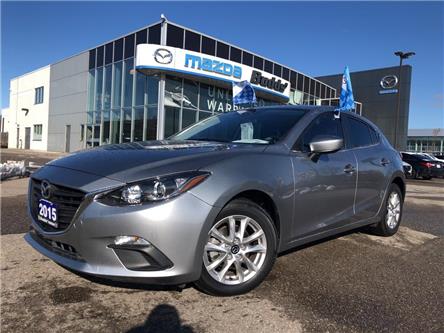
(349, 168)
(384, 162)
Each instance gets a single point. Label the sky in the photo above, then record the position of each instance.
(316, 38)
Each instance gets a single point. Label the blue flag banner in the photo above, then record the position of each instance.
(243, 93)
(346, 100)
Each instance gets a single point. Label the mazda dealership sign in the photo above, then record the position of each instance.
(157, 58)
(388, 84)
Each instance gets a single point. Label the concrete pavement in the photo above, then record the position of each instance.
(352, 283)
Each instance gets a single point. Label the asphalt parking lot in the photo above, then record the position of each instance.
(352, 283)
(38, 157)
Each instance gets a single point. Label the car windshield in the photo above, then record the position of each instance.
(256, 126)
(426, 157)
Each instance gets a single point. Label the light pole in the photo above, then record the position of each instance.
(401, 56)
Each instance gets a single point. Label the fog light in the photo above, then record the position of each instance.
(130, 240)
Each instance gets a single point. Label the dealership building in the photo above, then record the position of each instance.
(160, 79)
(426, 140)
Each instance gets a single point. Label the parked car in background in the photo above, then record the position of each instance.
(438, 169)
(441, 157)
(422, 165)
(408, 170)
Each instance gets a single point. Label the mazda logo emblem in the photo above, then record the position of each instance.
(389, 82)
(235, 249)
(45, 189)
(163, 56)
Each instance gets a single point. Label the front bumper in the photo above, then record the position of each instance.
(176, 229)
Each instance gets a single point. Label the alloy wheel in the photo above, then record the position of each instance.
(236, 249)
(393, 210)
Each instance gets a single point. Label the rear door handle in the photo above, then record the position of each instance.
(385, 161)
(349, 168)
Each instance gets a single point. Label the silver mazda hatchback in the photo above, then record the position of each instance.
(216, 203)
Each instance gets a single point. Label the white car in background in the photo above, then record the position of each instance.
(408, 169)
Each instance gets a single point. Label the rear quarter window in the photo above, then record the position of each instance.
(374, 135)
(359, 133)
(408, 157)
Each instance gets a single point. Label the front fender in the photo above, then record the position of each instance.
(271, 174)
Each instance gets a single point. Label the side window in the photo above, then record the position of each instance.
(358, 133)
(38, 97)
(408, 157)
(324, 125)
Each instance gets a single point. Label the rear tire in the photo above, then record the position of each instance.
(230, 244)
(389, 224)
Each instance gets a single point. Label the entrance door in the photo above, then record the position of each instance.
(67, 138)
(27, 137)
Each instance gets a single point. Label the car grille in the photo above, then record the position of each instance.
(60, 248)
(66, 199)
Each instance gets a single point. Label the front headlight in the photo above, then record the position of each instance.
(154, 189)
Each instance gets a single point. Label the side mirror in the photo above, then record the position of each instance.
(326, 144)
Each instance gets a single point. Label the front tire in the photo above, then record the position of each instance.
(240, 250)
(389, 224)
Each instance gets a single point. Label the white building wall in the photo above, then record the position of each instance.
(22, 96)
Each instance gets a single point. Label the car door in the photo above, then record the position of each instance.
(324, 184)
(374, 161)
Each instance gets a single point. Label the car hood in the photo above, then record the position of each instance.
(140, 160)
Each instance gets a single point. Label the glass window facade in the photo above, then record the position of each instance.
(92, 58)
(122, 104)
(258, 63)
(154, 34)
(426, 144)
(223, 50)
(192, 41)
(235, 54)
(108, 53)
(268, 66)
(188, 101)
(99, 56)
(129, 46)
(174, 36)
(208, 45)
(142, 37)
(277, 70)
(118, 50)
(247, 58)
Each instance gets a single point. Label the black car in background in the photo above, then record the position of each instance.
(422, 165)
(438, 168)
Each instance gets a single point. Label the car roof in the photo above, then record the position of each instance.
(295, 107)
(308, 108)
